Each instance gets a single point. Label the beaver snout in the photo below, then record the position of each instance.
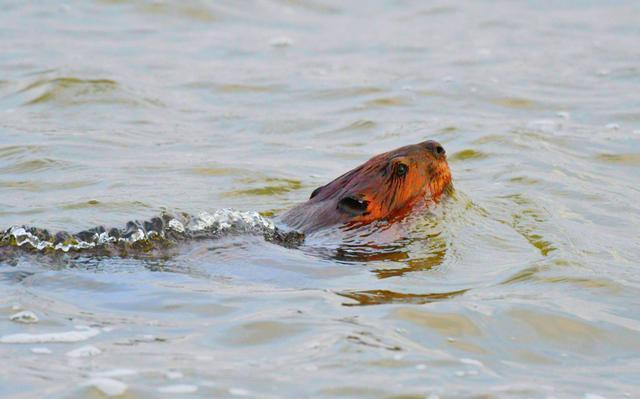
(435, 148)
(353, 205)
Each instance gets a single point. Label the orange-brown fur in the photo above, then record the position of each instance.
(377, 189)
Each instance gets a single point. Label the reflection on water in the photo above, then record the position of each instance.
(379, 297)
(522, 283)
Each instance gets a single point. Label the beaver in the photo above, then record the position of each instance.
(386, 187)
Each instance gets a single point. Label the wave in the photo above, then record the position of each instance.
(156, 233)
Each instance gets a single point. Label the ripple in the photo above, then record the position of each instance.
(193, 11)
(71, 91)
(66, 90)
(534, 274)
(559, 328)
(387, 102)
(525, 274)
(446, 324)
(108, 205)
(345, 92)
(631, 159)
(526, 218)
(379, 297)
(314, 6)
(468, 154)
(42, 186)
(525, 180)
(12, 151)
(436, 10)
(261, 332)
(237, 88)
(361, 124)
(36, 165)
(515, 103)
(275, 186)
(217, 171)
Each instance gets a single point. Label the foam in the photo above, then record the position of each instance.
(108, 386)
(178, 389)
(114, 373)
(165, 227)
(26, 317)
(238, 392)
(84, 351)
(67, 336)
(173, 375)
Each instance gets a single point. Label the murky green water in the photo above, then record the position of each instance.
(524, 283)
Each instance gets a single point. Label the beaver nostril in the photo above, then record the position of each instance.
(435, 148)
(353, 205)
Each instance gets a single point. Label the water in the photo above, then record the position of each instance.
(523, 283)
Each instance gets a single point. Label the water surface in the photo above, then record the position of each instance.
(523, 283)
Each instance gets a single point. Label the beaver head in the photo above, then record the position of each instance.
(384, 188)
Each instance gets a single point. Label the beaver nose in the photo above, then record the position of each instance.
(435, 148)
(353, 205)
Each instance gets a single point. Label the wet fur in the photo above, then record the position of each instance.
(388, 194)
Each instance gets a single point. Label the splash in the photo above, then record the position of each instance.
(156, 233)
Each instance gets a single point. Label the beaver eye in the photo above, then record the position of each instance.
(401, 170)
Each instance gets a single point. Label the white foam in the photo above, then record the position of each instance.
(84, 351)
(173, 375)
(108, 386)
(176, 225)
(472, 362)
(41, 350)
(202, 222)
(114, 373)
(222, 220)
(182, 388)
(281, 41)
(67, 336)
(26, 317)
(137, 236)
(23, 237)
(105, 238)
(238, 392)
(147, 338)
(226, 219)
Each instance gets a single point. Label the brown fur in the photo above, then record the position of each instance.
(377, 189)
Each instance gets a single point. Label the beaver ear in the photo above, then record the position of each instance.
(316, 192)
(353, 206)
